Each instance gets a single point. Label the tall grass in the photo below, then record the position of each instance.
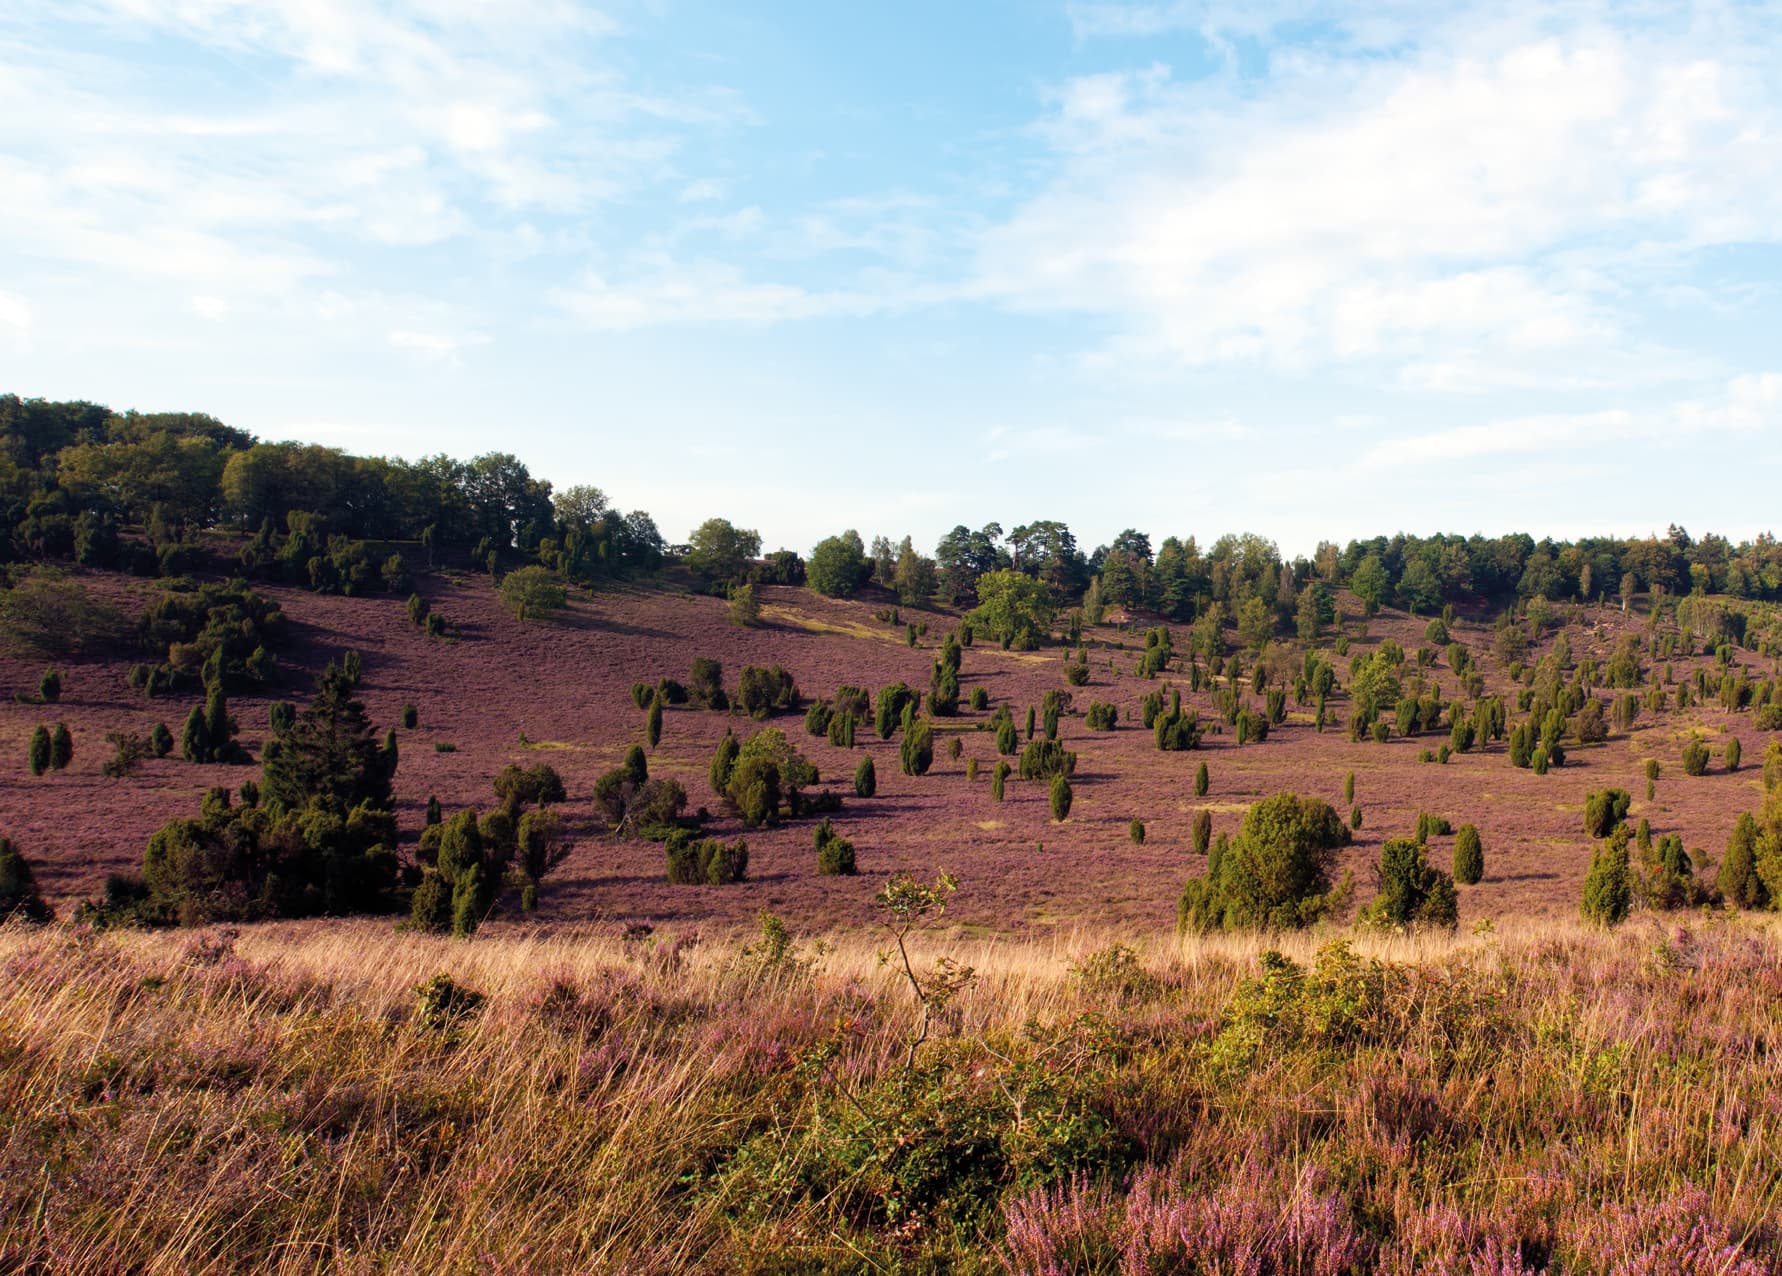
(1540, 1099)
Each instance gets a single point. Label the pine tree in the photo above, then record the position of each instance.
(1201, 781)
(653, 723)
(39, 751)
(194, 740)
(61, 747)
(1061, 797)
(1608, 886)
(1469, 856)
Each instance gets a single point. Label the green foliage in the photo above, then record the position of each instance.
(329, 755)
(705, 685)
(763, 692)
(1412, 893)
(1604, 809)
(1045, 759)
(838, 565)
(1695, 758)
(1135, 832)
(47, 614)
(1740, 883)
(443, 1005)
(1060, 798)
(1015, 607)
(1469, 856)
(1608, 886)
(61, 747)
(917, 750)
(1202, 831)
(1178, 730)
(744, 610)
(1102, 717)
(719, 553)
(768, 770)
(1202, 780)
(20, 900)
(707, 862)
(49, 686)
(999, 775)
(161, 740)
(1734, 753)
(38, 753)
(653, 724)
(1349, 788)
(835, 853)
(723, 762)
(1275, 874)
(889, 709)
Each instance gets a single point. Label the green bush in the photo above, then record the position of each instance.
(1740, 882)
(1469, 856)
(653, 724)
(866, 780)
(1412, 893)
(1136, 832)
(20, 899)
(1101, 717)
(1608, 886)
(706, 862)
(1695, 758)
(1733, 754)
(1044, 759)
(533, 593)
(49, 687)
(980, 698)
(1060, 797)
(917, 750)
(1349, 789)
(1202, 780)
(411, 717)
(705, 685)
(1203, 831)
(1604, 809)
(763, 692)
(998, 778)
(161, 740)
(61, 747)
(37, 754)
(723, 762)
(835, 853)
(1275, 874)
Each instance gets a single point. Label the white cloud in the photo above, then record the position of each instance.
(1430, 209)
(664, 291)
(14, 313)
(434, 345)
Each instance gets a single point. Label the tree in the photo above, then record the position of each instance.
(745, 607)
(719, 553)
(1370, 583)
(838, 565)
(330, 757)
(532, 592)
(914, 577)
(1014, 607)
(866, 780)
(1469, 856)
(1256, 623)
(19, 896)
(1608, 886)
(1412, 893)
(1740, 884)
(1060, 797)
(61, 747)
(1274, 874)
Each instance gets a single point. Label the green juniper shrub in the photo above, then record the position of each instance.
(128, 749)
(653, 724)
(1539, 761)
(762, 692)
(1355, 818)
(1412, 892)
(889, 710)
(1101, 717)
(280, 715)
(668, 691)
(417, 609)
(1469, 856)
(1274, 874)
(641, 694)
(1202, 780)
(1695, 758)
(49, 687)
(840, 731)
(971, 770)
(161, 740)
(1060, 797)
(1136, 832)
(1203, 831)
(705, 685)
(955, 747)
(1733, 753)
(1604, 809)
(1043, 759)
(61, 747)
(980, 698)
(817, 719)
(835, 853)
(998, 778)
(723, 761)
(634, 808)
(38, 752)
(917, 749)
(411, 717)
(20, 900)
(1007, 741)
(1030, 721)
(1740, 882)
(1608, 886)
(1380, 732)
(706, 862)
(1077, 673)
(541, 847)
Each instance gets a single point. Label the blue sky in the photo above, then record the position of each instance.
(1296, 268)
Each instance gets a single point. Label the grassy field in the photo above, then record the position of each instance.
(1533, 1098)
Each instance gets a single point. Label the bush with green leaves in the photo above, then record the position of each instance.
(1734, 753)
(1604, 809)
(889, 709)
(1060, 797)
(835, 853)
(999, 775)
(20, 899)
(817, 719)
(767, 772)
(638, 808)
(161, 740)
(763, 692)
(1135, 832)
(37, 752)
(1429, 826)
(1608, 886)
(840, 731)
(1412, 892)
(943, 690)
(705, 685)
(1740, 882)
(723, 762)
(866, 779)
(61, 747)
(1469, 856)
(1695, 758)
(1178, 730)
(917, 749)
(49, 686)
(1102, 717)
(1202, 834)
(1044, 759)
(705, 862)
(541, 785)
(1275, 874)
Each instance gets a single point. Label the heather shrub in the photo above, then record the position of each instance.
(1275, 874)
(20, 899)
(1469, 856)
(1412, 892)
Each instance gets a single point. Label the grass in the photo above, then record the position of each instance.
(1539, 1099)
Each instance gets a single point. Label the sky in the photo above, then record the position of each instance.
(1309, 270)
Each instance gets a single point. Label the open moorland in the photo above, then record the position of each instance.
(559, 690)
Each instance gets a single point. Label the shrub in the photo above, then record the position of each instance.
(49, 687)
(1136, 832)
(817, 719)
(1274, 874)
(917, 750)
(633, 807)
(835, 853)
(971, 770)
(888, 710)
(763, 692)
(1044, 759)
(1076, 673)
(1604, 809)
(1733, 754)
(61, 747)
(1695, 758)
(1061, 797)
(1201, 780)
(1007, 741)
(980, 698)
(1355, 818)
(998, 778)
(20, 899)
(540, 784)
(841, 730)
(411, 717)
(161, 740)
(38, 752)
(866, 780)
(1102, 717)
(705, 862)
(1412, 892)
(1177, 730)
(1608, 886)
(1429, 826)
(1469, 856)
(1772, 766)
(532, 592)
(1539, 761)
(744, 609)
(1349, 789)
(1203, 831)
(705, 685)
(653, 724)
(1740, 883)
